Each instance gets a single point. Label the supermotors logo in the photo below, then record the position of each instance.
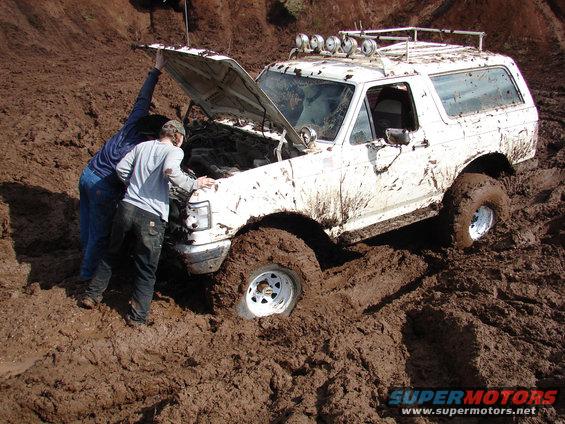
(500, 401)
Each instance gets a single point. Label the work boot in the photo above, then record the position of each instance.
(87, 302)
(133, 323)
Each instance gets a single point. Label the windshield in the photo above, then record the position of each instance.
(319, 104)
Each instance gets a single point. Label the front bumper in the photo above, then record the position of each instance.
(204, 258)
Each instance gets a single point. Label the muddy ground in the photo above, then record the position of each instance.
(398, 310)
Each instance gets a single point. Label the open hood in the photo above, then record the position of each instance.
(220, 86)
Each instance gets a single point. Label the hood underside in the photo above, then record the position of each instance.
(221, 87)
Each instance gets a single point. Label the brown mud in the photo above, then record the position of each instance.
(401, 311)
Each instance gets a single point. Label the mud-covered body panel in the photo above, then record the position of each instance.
(285, 186)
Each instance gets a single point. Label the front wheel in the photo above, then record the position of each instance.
(473, 205)
(265, 274)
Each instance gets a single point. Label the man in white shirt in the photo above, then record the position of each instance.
(146, 170)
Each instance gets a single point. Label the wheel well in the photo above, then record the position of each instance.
(307, 229)
(492, 164)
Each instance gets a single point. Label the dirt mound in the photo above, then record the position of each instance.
(400, 312)
(503, 20)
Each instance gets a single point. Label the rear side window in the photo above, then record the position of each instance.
(474, 91)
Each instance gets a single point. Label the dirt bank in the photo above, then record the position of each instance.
(401, 311)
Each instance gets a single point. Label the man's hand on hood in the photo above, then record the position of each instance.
(205, 182)
(159, 60)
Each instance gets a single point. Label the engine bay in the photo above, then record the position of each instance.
(219, 150)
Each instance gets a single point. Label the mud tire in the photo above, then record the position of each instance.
(467, 194)
(257, 251)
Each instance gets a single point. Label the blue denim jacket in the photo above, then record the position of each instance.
(104, 162)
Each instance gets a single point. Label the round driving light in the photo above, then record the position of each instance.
(369, 47)
(349, 45)
(317, 42)
(333, 43)
(302, 41)
(308, 135)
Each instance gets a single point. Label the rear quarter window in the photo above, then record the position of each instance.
(477, 90)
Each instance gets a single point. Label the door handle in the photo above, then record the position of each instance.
(423, 143)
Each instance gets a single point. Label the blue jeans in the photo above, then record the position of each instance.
(98, 200)
(149, 231)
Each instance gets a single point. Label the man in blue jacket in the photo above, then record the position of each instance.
(99, 186)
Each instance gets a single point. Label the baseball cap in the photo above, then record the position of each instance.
(174, 125)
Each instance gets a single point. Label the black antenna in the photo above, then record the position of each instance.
(186, 22)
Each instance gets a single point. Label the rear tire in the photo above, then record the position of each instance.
(473, 205)
(265, 274)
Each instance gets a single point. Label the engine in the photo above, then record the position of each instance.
(220, 151)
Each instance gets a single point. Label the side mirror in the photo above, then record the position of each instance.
(308, 136)
(397, 136)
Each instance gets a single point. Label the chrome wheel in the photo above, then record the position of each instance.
(271, 292)
(481, 222)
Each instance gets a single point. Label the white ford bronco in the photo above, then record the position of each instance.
(351, 137)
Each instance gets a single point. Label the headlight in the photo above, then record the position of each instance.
(199, 216)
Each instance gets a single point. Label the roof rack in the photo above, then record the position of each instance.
(381, 34)
(407, 46)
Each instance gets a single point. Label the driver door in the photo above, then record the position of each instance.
(380, 180)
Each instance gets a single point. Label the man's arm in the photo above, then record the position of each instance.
(125, 166)
(172, 170)
(143, 101)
